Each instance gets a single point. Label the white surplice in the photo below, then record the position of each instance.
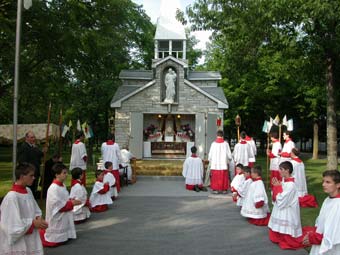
(60, 224)
(99, 199)
(109, 177)
(77, 156)
(219, 156)
(328, 224)
(193, 171)
(286, 150)
(80, 212)
(274, 162)
(285, 216)
(256, 193)
(237, 181)
(300, 176)
(242, 191)
(243, 153)
(111, 152)
(17, 212)
(126, 157)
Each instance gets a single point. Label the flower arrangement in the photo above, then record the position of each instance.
(149, 131)
(187, 132)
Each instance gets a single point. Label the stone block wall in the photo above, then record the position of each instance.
(188, 101)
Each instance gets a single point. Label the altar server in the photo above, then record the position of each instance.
(243, 188)
(100, 196)
(219, 157)
(285, 224)
(274, 155)
(79, 156)
(243, 153)
(111, 152)
(59, 211)
(252, 143)
(255, 205)
(20, 216)
(193, 171)
(237, 181)
(110, 178)
(287, 147)
(305, 199)
(325, 236)
(80, 212)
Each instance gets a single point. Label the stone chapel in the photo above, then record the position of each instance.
(163, 112)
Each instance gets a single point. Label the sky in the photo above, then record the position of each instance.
(153, 9)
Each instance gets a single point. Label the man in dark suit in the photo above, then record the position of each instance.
(28, 152)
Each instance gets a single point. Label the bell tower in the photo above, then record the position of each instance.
(170, 38)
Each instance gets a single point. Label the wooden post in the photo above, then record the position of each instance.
(45, 150)
(238, 124)
(280, 133)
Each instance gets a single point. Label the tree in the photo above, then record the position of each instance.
(71, 55)
(265, 47)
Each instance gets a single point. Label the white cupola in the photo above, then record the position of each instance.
(170, 38)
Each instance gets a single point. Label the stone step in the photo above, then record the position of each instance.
(159, 167)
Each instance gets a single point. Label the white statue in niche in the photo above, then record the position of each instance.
(170, 84)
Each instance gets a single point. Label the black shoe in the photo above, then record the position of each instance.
(196, 188)
(204, 189)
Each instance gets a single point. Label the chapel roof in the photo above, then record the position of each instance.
(202, 75)
(216, 92)
(125, 91)
(135, 74)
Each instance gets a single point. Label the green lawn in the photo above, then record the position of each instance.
(314, 169)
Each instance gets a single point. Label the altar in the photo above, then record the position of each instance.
(167, 149)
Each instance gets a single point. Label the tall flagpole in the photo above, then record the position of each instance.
(16, 86)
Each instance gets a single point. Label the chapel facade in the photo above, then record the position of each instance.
(163, 112)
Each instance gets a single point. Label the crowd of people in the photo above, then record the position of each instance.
(23, 230)
(22, 227)
(288, 191)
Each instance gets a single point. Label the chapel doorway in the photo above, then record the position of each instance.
(168, 135)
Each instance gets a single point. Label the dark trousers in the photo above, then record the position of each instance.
(34, 187)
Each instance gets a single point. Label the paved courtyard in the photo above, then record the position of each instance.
(158, 216)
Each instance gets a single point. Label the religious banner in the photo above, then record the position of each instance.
(39, 130)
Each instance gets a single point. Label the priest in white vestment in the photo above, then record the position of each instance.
(126, 161)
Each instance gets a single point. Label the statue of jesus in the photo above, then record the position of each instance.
(170, 81)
